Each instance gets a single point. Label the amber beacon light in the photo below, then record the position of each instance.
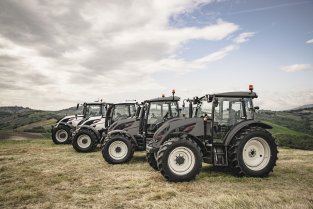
(251, 88)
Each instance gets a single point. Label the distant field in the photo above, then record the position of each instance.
(39, 174)
(277, 129)
(46, 124)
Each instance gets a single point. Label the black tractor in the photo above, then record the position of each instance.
(88, 134)
(61, 132)
(222, 132)
(119, 145)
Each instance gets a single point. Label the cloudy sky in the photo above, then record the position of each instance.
(54, 54)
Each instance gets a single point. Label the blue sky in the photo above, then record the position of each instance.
(281, 29)
(55, 54)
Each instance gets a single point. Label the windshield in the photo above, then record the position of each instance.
(123, 111)
(203, 109)
(229, 111)
(93, 110)
(160, 111)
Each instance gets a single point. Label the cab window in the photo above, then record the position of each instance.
(121, 112)
(229, 111)
(160, 111)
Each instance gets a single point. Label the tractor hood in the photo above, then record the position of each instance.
(178, 125)
(121, 124)
(68, 117)
(90, 119)
(166, 125)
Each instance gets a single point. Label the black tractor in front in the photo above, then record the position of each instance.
(222, 132)
(119, 145)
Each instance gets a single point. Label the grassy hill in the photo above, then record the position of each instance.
(39, 174)
(292, 128)
(19, 119)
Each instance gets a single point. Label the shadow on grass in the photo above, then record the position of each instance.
(138, 159)
(209, 171)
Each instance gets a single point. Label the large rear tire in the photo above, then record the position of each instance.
(179, 159)
(252, 152)
(152, 161)
(117, 149)
(61, 135)
(85, 141)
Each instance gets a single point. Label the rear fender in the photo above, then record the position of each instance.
(242, 125)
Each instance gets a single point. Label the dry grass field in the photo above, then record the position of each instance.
(39, 174)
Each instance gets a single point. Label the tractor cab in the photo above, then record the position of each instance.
(157, 111)
(221, 112)
(94, 109)
(123, 111)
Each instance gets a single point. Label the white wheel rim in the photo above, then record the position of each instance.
(181, 161)
(118, 150)
(256, 153)
(61, 135)
(84, 141)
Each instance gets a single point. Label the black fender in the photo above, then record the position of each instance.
(92, 129)
(65, 124)
(242, 125)
(124, 133)
(187, 135)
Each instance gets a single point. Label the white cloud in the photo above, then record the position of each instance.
(310, 41)
(283, 100)
(243, 37)
(63, 51)
(296, 67)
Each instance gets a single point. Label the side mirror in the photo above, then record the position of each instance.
(256, 107)
(209, 98)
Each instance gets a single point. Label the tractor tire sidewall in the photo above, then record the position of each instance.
(106, 154)
(93, 137)
(273, 154)
(61, 127)
(163, 156)
(152, 161)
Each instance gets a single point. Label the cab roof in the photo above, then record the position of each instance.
(125, 103)
(236, 94)
(95, 103)
(164, 99)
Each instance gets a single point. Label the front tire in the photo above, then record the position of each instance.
(85, 141)
(252, 152)
(117, 149)
(179, 159)
(61, 135)
(152, 161)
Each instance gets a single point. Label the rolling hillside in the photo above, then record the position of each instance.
(20, 122)
(13, 118)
